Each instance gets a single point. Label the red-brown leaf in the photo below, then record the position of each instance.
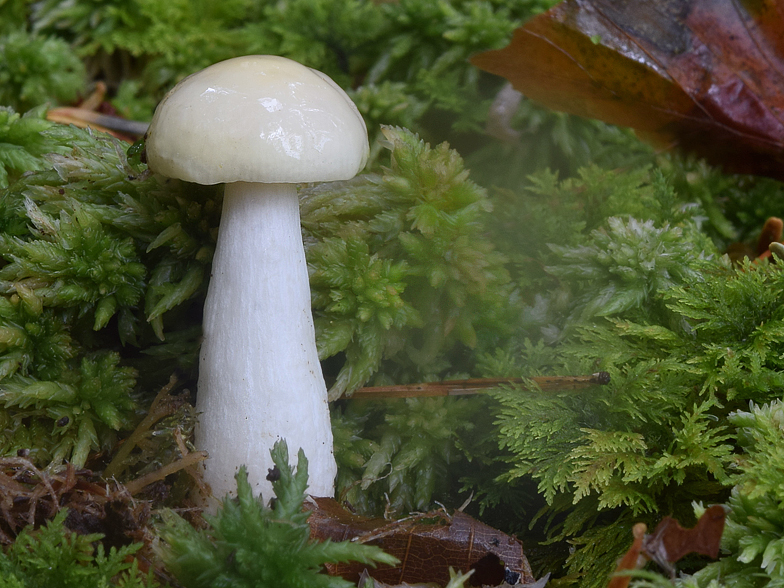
(669, 542)
(707, 75)
(427, 546)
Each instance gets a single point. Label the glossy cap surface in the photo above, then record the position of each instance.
(258, 118)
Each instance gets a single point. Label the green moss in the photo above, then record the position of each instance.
(687, 339)
(96, 262)
(54, 557)
(35, 70)
(249, 544)
(401, 271)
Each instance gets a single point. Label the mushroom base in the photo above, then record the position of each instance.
(260, 377)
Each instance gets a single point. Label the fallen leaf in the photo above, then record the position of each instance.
(705, 75)
(427, 545)
(670, 542)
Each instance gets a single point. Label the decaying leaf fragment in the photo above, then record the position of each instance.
(427, 545)
(29, 496)
(706, 75)
(670, 542)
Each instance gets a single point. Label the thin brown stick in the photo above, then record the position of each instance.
(106, 123)
(94, 100)
(158, 410)
(190, 470)
(187, 461)
(479, 385)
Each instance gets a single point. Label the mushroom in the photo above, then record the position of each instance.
(260, 124)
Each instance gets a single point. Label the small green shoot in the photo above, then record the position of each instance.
(250, 545)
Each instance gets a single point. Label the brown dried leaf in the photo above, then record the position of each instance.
(670, 542)
(427, 545)
(706, 75)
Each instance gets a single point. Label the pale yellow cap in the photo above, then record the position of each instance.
(258, 118)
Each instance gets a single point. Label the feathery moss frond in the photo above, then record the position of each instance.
(55, 557)
(252, 545)
(400, 266)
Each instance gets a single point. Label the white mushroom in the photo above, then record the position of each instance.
(260, 124)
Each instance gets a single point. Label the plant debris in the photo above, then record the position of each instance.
(29, 496)
(427, 545)
(670, 542)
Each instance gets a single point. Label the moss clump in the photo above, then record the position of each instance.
(55, 557)
(252, 545)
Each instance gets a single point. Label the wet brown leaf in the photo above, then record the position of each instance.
(427, 545)
(670, 542)
(705, 75)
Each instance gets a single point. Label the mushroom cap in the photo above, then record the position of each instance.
(258, 118)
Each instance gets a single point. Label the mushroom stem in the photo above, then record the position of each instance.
(260, 377)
